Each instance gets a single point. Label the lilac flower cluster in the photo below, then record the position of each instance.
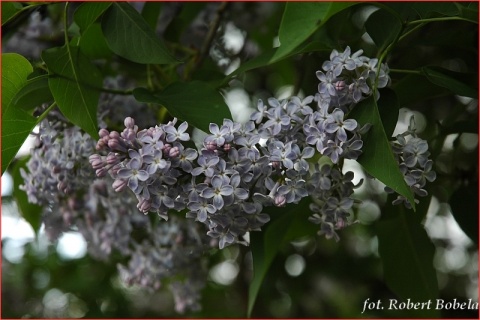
(241, 168)
(411, 152)
(60, 178)
(347, 78)
(55, 168)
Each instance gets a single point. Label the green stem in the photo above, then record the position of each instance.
(435, 20)
(418, 26)
(65, 27)
(405, 71)
(45, 113)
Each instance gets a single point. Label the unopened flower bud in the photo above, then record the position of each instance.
(174, 152)
(112, 159)
(119, 185)
(211, 145)
(279, 200)
(340, 85)
(276, 164)
(103, 133)
(129, 122)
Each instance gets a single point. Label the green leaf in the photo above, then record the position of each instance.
(468, 11)
(377, 158)
(383, 28)
(388, 109)
(88, 12)
(15, 70)
(9, 10)
(426, 9)
(93, 44)
(33, 93)
(150, 12)
(16, 126)
(16, 123)
(194, 102)
(72, 81)
(415, 88)
(31, 212)
(300, 20)
(464, 205)
(407, 254)
(129, 35)
(287, 224)
(463, 84)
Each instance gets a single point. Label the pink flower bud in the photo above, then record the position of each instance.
(166, 148)
(211, 145)
(144, 205)
(227, 147)
(129, 122)
(174, 152)
(101, 172)
(119, 185)
(279, 200)
(112, 159)
(340, 85)
(276, 164)
(103, 133)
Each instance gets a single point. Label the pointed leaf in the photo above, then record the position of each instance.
(15, 70)
(129, 35)
(194, 102)
(464, 205)
(377, 158)
(9, 10)
(92, 43)
(291, 223)
(300, 20)
(73, 80)
(16, 126)
(16, 123)
(414, 88)
(464, 84)
(88, 12)
(383, 27)
(407, 257)
(33, 93)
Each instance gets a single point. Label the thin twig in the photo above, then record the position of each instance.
(211, 34)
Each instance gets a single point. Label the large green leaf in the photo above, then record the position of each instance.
(9, 10)
(195, 102)
(15, 70)
(150, 12)
(93, 44)
(88, 12)
(300, 20)
(16, 126)
(464, 205)
(16, 123)
(287, 224)
(129, 35)
(464, 84)
(31, 212)
(388, 109)
(33, 93)
(383, 27)
(414, 88)
(377, 158)
(407, 254)
(74, 83)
